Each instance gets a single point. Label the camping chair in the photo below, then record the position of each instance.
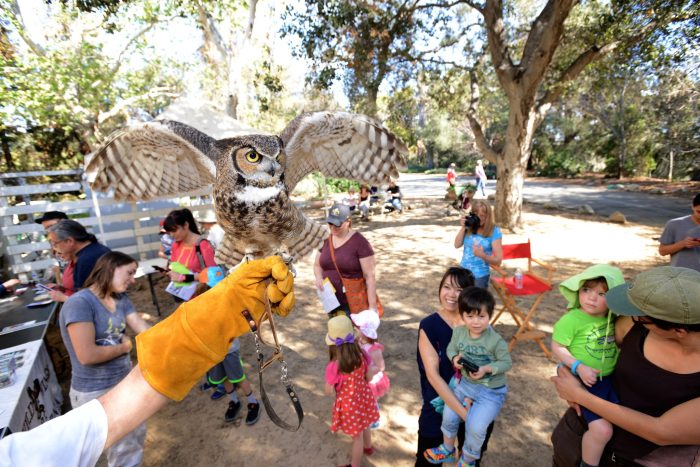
(533, 285)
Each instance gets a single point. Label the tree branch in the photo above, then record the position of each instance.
(542, 41)
(496, 33)
(16, 18)
(142, 32)
(122, 104)
(479, 137)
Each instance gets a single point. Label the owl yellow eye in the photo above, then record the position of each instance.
(252, 156)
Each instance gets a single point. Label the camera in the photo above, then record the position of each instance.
(472, 222)
(468, 365)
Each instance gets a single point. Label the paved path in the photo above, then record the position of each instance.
(639, 207)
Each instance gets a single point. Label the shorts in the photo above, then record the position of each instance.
(604, 389)
(230, 368)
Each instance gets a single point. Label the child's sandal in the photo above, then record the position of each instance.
(368, 451)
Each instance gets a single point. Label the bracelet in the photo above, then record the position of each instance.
(574, 367)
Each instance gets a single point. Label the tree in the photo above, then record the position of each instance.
(548, 59)
(362, 42)
(533, 62)
(66, 92)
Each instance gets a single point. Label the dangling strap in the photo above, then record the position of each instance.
(263, 364)
(330, 244)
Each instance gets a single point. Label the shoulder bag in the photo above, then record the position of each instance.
(355, 290)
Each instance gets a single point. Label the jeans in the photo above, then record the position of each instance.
(486, 405)
(480, 186)
(126, 452)
(396, 202)
(482, 282)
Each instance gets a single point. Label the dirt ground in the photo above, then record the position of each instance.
(412, 252)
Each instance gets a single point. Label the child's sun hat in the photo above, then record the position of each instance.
(340, 331)
(570, 287)
(367, 322)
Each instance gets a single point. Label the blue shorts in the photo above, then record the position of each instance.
(231, 369)
(604, 389)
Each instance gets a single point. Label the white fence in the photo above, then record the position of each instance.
(130, 227)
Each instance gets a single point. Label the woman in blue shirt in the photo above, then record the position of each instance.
(482, 248)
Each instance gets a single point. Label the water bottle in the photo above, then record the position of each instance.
(518, 278)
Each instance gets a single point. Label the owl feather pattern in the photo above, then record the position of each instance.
(252, 174)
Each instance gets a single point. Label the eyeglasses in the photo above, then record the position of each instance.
(642, 320)
(54, 243)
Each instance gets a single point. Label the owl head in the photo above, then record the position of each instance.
(255, 160)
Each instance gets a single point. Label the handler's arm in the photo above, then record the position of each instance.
(128, 404)
(678, 425)
(368, 267)
(431, 362)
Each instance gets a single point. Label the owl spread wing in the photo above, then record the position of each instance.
(152, 159)
(341, 144)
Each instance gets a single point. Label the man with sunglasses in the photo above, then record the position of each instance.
(657, 376)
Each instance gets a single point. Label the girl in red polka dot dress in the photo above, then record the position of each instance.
(347, 373)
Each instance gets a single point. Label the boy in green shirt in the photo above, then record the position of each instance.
(584, 340)
(485, 389)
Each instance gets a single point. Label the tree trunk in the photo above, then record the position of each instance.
(512, 165)
(509, 190)
(6, 152)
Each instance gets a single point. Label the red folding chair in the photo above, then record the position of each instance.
(533, 285)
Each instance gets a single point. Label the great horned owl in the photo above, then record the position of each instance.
(252, 175)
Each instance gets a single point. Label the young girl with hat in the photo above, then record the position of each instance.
(347, 372)
(367, 322)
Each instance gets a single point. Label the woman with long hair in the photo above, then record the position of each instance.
(93, 322)
(481, 241)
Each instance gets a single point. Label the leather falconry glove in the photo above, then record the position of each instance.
(176, 352)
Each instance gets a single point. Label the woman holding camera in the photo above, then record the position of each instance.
(481, 240)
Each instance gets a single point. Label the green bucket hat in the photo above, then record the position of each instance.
(570, 287)
(667, 293)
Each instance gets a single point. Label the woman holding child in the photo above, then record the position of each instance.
(434, 367)
(482, 244)
(657, 376)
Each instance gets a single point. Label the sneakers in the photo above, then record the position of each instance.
(218, 393)
(233, 408)
(253, 413)
(439, 454)
(205, 386)
(463, 463)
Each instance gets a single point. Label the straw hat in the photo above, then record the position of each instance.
(340, 331)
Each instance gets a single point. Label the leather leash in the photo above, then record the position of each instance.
(264, 364)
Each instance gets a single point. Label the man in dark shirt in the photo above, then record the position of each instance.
(70, 238)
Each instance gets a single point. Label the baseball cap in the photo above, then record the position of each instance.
(338, 214)
(51, 215)
(667, 293)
